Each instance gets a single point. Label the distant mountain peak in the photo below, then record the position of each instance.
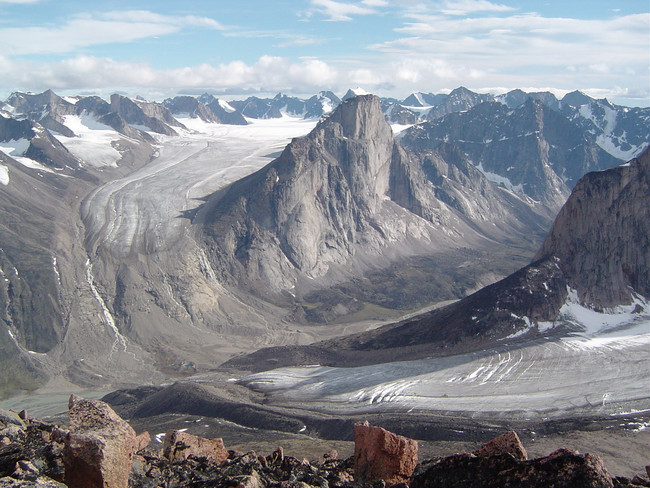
(354, 92)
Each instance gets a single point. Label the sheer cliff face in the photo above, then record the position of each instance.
(601, 236)
(308, 208)
(348, 197)
(347, 189)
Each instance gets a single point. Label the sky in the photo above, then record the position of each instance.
(161, 48)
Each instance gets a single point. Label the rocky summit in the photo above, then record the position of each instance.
(37, 454)
(346, 200)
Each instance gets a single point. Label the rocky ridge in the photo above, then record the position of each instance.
(597, 246)
(347, 197)
(99, 449)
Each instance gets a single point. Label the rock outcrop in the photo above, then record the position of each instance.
(508, 443)
(99, 448)
(382, 455)
(178, 446)
(562, 468)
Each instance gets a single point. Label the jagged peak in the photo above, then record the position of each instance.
(359, 117)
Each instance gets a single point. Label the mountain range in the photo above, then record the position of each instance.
(595, 255)
(133, 246)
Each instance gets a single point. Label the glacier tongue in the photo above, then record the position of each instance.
(594, 370)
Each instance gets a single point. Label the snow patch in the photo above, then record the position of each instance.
(616, 327)
(397, 128)
(93, 141)
(226, 106)
(15, 147)
(500, 180)
(4, 175)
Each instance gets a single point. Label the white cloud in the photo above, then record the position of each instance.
(19, 1)
(465, 7)
(268, 73)
(375, 3)
(520, 46)
(88, 30)
(339, 11)
(154, 18)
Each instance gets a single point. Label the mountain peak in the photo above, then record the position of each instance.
(354, 92)
(576, 99)
(359, 117)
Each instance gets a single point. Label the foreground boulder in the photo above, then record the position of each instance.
(508, 443)
(561, 469)
(382, 455)
(178, 446)
(98, 451)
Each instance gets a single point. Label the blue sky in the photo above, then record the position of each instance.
(390, 47)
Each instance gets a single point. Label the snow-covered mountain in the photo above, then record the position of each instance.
(281, 104)
(621, 131)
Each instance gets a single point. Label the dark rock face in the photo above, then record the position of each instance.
(190, 106)
(621, 131)
(424, 99)
(531, 149)
(561, 469)
(458, 100)
(224, 113)
(515, 98)
(47, 108)
(206, 108)
(398, 114)
(136, 112)
(601, 237)
(321, 104)
(43, 147)
(273, 108)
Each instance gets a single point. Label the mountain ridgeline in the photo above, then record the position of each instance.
(347, 199)
(123, 245)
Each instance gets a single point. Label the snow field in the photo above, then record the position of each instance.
(93, 141)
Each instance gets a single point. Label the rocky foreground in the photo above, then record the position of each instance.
(100, 449)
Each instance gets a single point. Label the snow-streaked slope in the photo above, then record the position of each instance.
(601, 368)
(16, 149)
